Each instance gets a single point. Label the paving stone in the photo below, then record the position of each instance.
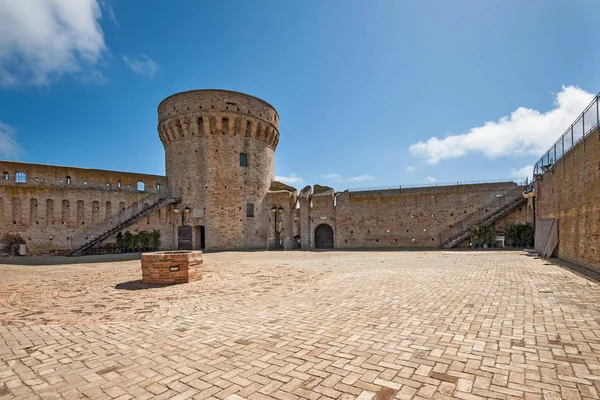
(304, 325)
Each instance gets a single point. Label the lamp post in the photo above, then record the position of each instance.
(276, 210)
(184, 210)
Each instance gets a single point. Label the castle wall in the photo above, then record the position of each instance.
(570, 192)
(219, 156)
(52, 213)
(288, 223)
(416, 217)
(205, 133)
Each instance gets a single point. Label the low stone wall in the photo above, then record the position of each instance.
(169, 267)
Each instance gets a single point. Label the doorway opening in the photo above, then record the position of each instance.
(199, 237)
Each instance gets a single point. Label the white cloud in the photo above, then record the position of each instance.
(290, 180)
(525, 172)
(9, 148)
(524, 132)
(93, 77)
(333, 177)
(411, 168)
(107, 7)
(143, 65)
(362, 178)
(41, 40)
(431, 179)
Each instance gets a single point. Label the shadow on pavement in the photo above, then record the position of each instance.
(138, 285)
(60, 260)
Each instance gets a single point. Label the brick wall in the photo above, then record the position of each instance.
(204, 132)
(52, 216)
(571, 194)
(170, 267)
(396, 218)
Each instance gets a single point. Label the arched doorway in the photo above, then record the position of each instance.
(199, 239)
(184, 237)
(324, 237)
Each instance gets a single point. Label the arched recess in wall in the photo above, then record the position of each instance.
(16, 208)
(65, 212)
(324, 237)
(95, 211)
(49, 212)
(108, 211)
(80, 213)
(121, 211)
(33, 212)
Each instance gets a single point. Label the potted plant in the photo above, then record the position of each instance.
(485, 237)
(475, 235)
(10, 244)
(511, 234)
(144, 238)
(527, 235)
(128, 242)
(120, 243)
(519, 235)
(155, 239)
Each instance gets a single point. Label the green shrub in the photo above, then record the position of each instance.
(144, 239)
(488, 234)
(128, 241)
(520, 234)
(527, 235)
(155, 239)
(9, 244)
(475, 234)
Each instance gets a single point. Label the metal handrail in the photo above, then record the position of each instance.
(99, 227)
(584, 124)
(441, 184)
(480, 214)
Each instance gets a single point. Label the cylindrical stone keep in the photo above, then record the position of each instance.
(219, 151)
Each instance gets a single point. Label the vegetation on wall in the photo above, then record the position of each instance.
(141, 241)
(482, 234)
(9, 244)
(518, 235)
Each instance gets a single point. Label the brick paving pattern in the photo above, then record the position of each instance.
(303, 325)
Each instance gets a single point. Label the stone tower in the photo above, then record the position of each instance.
(219, 152)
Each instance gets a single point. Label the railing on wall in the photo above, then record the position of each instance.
(99, 227)
(149, 187)
(502, 199)
(443, 184)
(587, 122)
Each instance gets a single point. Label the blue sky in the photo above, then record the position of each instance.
(370, 93)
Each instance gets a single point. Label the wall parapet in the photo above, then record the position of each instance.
(18, 174)
(503, 184)
(585, 124)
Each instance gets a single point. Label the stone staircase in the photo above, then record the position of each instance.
(100, 235)
(462, 233)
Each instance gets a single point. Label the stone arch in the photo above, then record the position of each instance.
(324, 237)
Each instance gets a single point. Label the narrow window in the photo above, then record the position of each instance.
(20, 177)
(5, 175)
(141, 186)
(68, 179)
(158, 186)
(119, 184)
(243, 160)
(249, 210)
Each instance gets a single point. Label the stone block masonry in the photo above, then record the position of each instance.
(171, 267)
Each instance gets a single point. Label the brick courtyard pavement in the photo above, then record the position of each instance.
(304, 325)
